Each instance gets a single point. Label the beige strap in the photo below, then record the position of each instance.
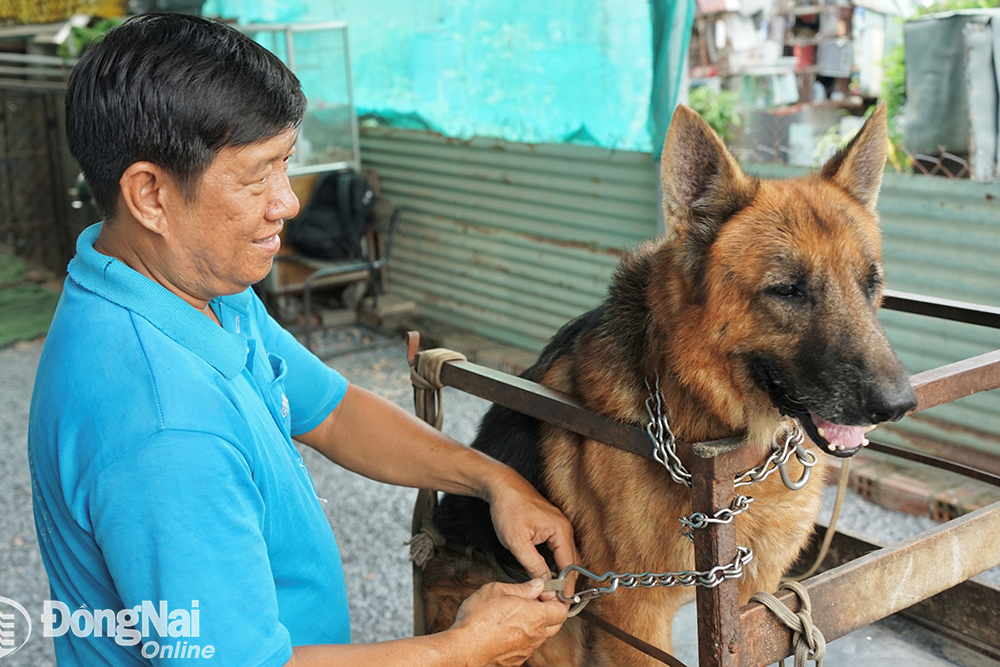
(422, 544)
(845, 477)
(807, 639)
(426, 379)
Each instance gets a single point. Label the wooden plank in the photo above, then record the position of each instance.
(879, 584)
(957, 380)
(543, 403)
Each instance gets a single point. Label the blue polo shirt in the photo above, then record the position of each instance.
(163, 471)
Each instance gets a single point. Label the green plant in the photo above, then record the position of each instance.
(80, 38)
(953, 5)
(720, 109)
(894, 94)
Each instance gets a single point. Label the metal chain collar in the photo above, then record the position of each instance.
(665, 453)
(665, 449)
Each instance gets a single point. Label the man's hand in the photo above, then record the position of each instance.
(523, 519)
(371, 436)
(508, 622)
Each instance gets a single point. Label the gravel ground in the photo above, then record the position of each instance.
(371, 520)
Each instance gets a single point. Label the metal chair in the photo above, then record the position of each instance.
(386, 219)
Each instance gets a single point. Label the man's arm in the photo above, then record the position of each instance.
(378, 439)
(500, 625)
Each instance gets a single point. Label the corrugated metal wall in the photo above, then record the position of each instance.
(513, 240)
(510, 240)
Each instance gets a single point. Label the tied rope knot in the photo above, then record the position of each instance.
(425, 377)
(423, 544)
(807, 639)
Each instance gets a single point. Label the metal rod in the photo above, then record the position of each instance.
(718, 607)
(879, 584)
(937, 462)
(355, 133)
(957, 380)
(945, 309)
(545, 404)
(970, 607)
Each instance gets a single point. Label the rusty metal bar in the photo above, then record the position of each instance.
(957, 380)
(970, 608)
(889, 580)
(932, 388)
(545, 404)
(718, 607)
(423, 509)
(891, 577)
(936, 462)
(945, 309)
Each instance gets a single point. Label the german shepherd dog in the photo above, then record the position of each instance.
(757, 308)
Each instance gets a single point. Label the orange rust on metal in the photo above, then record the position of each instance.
(969, 608)
(545, 404)
(424, 507)
(879, 584)
(957, 380)
(412, 346)
(718, 607)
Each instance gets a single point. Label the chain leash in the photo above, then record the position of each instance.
(708, 578)
(665, 453)
(726, 515)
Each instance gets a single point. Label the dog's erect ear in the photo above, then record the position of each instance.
(703, 185)
(857, 168)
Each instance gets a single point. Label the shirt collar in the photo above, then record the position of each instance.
(120, 284)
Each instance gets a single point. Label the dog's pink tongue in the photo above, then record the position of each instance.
(838, 434)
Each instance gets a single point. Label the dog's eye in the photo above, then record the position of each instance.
(873, 285)
(788, 291)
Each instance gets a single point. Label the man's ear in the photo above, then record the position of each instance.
(145, 190)
(703, 186)
(857, 168)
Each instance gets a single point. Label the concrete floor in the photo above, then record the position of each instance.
(371, 521)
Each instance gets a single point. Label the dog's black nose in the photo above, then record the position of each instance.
(891, 404)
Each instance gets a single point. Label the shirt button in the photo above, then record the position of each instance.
(238, 325)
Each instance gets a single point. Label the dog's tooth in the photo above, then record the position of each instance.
(820, 431)
(864, 442)
(831, 446)
(869, 429)
(841, 447)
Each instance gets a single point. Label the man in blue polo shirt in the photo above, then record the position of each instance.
(175, 517)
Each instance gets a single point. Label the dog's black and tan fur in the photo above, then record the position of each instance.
(758, 307)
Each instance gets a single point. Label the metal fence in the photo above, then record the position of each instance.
(36, 170)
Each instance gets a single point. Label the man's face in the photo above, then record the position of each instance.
(225, 238)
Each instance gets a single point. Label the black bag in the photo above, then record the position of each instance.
(338, 214)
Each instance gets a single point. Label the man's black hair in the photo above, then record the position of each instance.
(173, 90)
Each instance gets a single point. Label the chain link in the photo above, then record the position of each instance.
(665, 448)
(726, 515)
(664, 443)
(780, 455)
(665, 453)
(708, 578)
